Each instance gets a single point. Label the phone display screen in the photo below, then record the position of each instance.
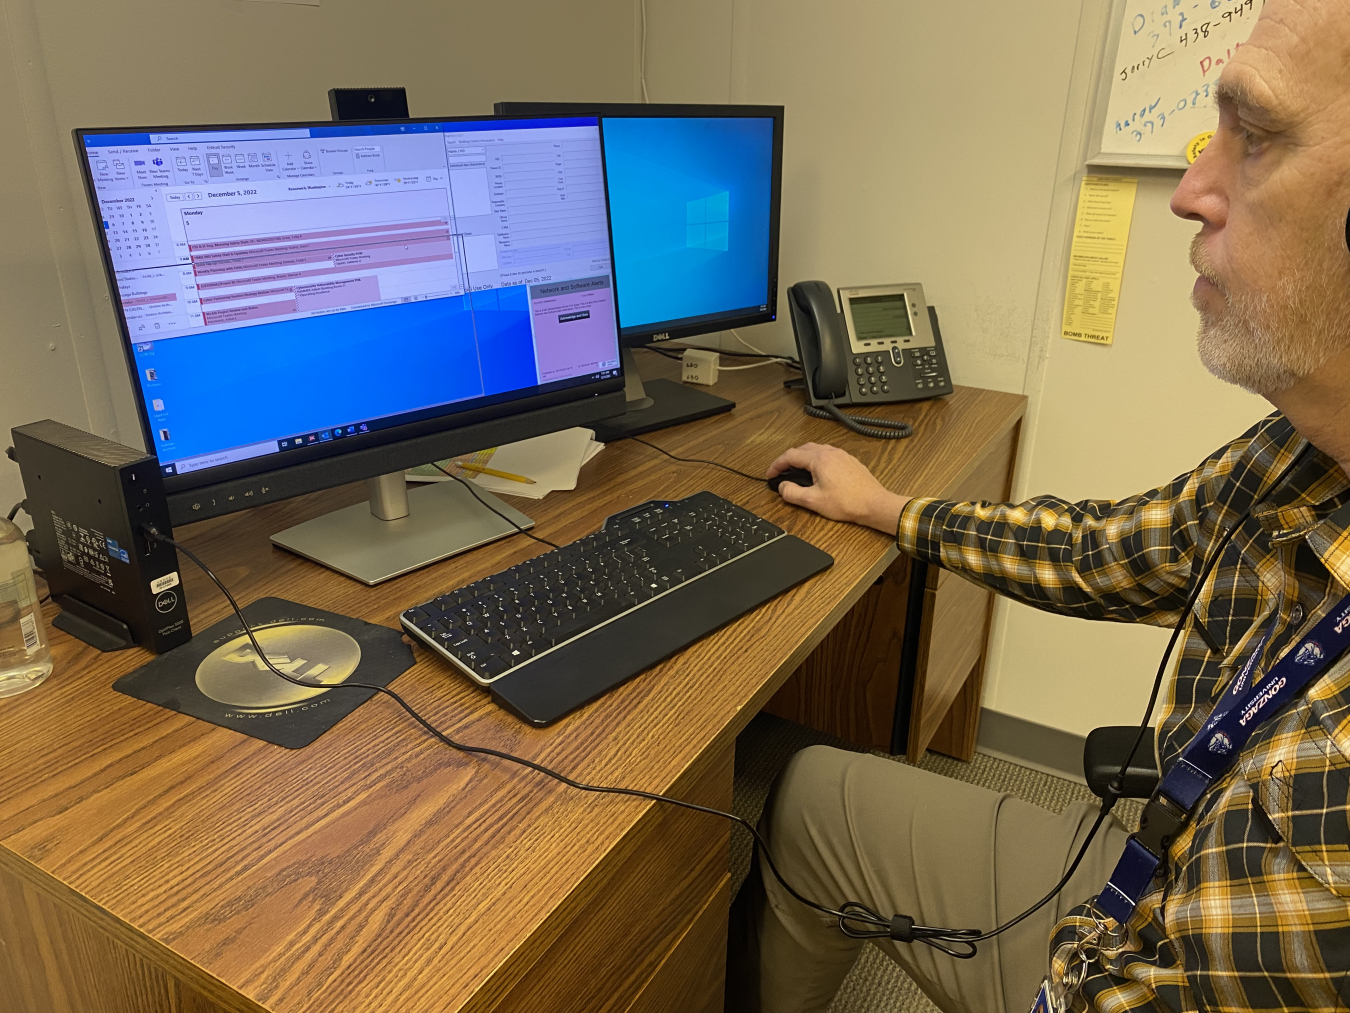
(880, 316)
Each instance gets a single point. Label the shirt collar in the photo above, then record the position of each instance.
(1331, 541)
(1313, 503)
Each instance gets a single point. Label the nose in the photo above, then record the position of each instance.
(1200, 196)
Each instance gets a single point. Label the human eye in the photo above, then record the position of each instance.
(1253, 140)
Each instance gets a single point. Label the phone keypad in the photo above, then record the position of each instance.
(869, 375)
(876, 375)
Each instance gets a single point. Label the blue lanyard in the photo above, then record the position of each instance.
(1243, 707)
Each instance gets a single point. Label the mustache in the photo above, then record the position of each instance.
(1203, 267)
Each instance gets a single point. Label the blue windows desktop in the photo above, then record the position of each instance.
(690, 204)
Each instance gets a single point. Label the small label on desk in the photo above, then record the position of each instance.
(164, 583)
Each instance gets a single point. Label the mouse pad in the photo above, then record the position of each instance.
(218, 677)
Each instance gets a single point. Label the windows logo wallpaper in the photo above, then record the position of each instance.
(690, 201)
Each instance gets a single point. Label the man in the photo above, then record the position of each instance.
(1252, 910)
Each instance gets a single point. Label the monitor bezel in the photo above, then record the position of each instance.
(684, 327)
(409, 433)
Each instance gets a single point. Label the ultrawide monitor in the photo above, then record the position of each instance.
(309, 304)
(694, 197)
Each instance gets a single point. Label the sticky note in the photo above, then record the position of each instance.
(1101, 234)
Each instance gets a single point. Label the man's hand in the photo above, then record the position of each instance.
(844, 489)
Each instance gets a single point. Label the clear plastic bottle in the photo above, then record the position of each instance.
(25, 659)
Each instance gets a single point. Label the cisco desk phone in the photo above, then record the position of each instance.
(877, 344)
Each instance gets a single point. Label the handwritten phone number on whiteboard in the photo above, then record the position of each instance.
(1139, 127)
(1162, 20)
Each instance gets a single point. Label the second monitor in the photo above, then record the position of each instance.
(694, 194)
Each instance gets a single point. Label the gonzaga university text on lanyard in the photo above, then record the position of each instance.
(1205, 759)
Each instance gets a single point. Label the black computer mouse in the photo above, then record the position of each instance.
(797, 476)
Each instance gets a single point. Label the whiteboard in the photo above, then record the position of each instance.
(1159, 67)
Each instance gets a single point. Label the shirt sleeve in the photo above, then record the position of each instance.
(1125, 560)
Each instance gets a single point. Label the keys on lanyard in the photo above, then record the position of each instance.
(1074, 958)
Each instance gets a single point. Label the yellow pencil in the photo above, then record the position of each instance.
(497, 474)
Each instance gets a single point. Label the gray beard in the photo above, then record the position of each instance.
(1267, 342)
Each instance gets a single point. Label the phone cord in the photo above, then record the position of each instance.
(878, 429)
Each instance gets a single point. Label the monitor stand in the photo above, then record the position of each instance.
(398, 531)
(657, 404)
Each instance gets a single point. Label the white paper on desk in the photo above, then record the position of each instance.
(553, 461)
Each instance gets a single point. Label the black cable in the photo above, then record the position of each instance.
(14, 510)
(1117, 784)
(469, 485)
(846, 912)
(699, 460)
(1115, 788)
(878, 429)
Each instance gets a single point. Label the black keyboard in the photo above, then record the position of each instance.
(549, 634)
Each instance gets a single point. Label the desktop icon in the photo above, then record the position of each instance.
(157, 404)
(164, 435)
(151, 375)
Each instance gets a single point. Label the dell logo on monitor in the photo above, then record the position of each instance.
(662, 336)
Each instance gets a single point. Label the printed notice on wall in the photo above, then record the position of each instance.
(1101, 233)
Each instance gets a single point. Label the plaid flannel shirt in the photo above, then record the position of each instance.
(1253, 913)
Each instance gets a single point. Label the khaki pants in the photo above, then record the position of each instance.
(852, 826)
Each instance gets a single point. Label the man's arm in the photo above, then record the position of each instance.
(1128, 560)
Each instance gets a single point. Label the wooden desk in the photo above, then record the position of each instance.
(150, 862)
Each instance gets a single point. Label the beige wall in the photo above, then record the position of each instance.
(887, 169)
(927, 142)
(148, 62)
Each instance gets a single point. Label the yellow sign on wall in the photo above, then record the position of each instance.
(1101, 234)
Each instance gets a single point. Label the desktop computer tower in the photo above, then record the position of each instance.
(89, 499)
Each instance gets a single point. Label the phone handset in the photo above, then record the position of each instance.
(821, 327)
